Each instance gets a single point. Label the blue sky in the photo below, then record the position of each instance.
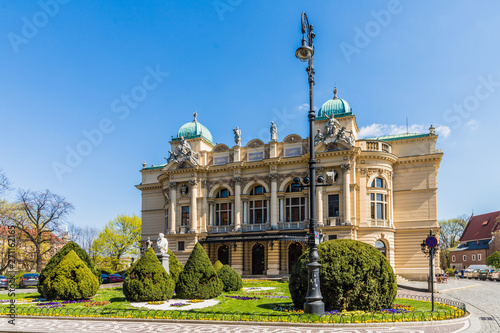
(68, 69)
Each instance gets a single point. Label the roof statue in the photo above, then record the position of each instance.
(274, 132)
(237, 136)
(183, 153)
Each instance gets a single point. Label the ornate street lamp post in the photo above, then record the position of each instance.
(314, 303)
(429, 247)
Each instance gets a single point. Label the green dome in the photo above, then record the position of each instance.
(335, 106)
(194, 129)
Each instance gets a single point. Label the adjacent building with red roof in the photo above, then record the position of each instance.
(476, 241)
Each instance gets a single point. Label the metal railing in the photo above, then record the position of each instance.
(291, 225)
(456, 310)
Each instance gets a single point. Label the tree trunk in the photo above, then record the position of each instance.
(39, 258)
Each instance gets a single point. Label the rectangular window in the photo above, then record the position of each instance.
(295, 209)
(478, 256)
(464, 258)
(333, 205)
(180, 246)
(452, 258)
(330, 237)
(473, 257)
(184, 215)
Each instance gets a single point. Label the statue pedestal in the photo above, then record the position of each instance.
(163, 258)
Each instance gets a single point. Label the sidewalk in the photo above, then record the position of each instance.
(452, 284)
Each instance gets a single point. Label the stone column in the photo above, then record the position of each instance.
(319, 205)
(282, 209)
(273, 258)
(205, 206)
(274, 201)
(193, 214)
(237, 153)
(237, 203)
(211, 217)
(245, 211)
(347, 193)
(273, 149)
(237, 258)
(173, 206)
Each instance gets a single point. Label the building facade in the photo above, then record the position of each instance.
(477, 241)
(241, 204)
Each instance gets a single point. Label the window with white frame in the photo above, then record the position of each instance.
(478, 256)
(379, 207)
(295, 204)
(257, 205)
(464, 257)
(223, 209)
(473, 257)
(452, 258)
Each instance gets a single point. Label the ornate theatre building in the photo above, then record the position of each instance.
(241, 204)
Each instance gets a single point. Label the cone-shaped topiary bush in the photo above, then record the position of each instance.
(174, 265)
(230, 278)
(198, 279)
(70, 279)
(56, 259)
(218, 265)
(147, 280)
(353, 275)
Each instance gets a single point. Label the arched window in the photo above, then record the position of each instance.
(295, 204)
(257, 205)
(378, 182)
(223, 209)
(379, 245)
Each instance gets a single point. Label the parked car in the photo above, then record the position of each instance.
(4, 282)
(496, 275)
(475, 274)
(483, 274)
(490, 271)
(468, 273)
(115, 278)
(104, 278)
(29, 279)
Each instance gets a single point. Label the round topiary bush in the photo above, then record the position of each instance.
(218, 265)
(353, 274)
(198, 279)
(230, 278)
(71, 279)
(56, 259)
(147, 280)
(174, 265)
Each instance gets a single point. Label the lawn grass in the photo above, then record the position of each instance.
(270, 305)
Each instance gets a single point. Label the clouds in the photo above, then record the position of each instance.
(375, 130)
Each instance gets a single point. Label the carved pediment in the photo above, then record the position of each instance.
(255, 143)
(292, 138)
(220, 148)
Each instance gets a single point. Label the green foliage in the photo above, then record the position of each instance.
(70, 279)
(354, 276)
(451, 231)
(175, 266)
(147, 280)
(56, 259)
(450, 271)
(110, 264)
(120, 237)
(493, 260)
(218, 265)
(198, 279)
(18, 277)
(230, 278)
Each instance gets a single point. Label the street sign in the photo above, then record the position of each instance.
(316, 238)
(431, 241)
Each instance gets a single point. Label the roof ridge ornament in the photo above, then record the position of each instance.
(335, 91)
(195, 115)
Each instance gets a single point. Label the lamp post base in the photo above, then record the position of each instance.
(316, 307)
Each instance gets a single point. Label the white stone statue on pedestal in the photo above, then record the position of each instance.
(162, 244)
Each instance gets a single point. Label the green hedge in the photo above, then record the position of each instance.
(230, 278)
(56, 259)
(217, 265)
(175, 266)
(353, 275)
(71, 279)
(147, 280)
(198, 280)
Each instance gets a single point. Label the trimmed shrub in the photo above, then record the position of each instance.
(56, 259)
(218, 265)
(175, 266)
(353, 275)
(198, 279)
(70, 279)
(147, 280)
(230, 278)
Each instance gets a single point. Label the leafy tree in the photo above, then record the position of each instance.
(353, 276)
(147, 280)
(38, 216)
(59, 256)
(198, 279)
(451, 231)
(120, 237)
(70, 279)
(493, 260)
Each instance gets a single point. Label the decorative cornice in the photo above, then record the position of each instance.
(149, 186)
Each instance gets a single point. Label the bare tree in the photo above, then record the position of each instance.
(83, 236)
(39, 218)
(4, 182)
